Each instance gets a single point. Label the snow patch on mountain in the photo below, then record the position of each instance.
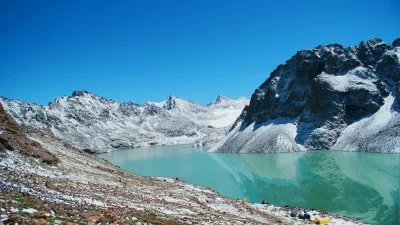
(347, 82)
(274, 136)
(220, 118)
(374, 132)
(220, 113)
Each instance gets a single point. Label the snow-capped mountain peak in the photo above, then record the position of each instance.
(225, 102)
(80, 93)
(177, 104)
(170, 102)
(222, 102)
(222, 99)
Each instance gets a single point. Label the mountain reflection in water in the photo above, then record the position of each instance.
(362, 185)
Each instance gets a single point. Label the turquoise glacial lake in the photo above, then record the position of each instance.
(362, 185)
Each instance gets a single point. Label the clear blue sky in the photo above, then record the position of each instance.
(146, 50)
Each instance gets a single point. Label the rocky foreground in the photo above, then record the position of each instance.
(72, 187)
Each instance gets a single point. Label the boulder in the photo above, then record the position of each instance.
(28, 212)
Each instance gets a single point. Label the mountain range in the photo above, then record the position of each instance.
(97, 124)
(328, 97)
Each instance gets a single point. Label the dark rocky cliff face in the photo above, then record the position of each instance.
(325, 89)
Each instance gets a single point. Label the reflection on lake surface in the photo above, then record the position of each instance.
(362, 185)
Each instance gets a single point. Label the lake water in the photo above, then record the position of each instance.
(362, 185)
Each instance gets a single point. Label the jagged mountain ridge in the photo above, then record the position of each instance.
(328, 97)
(223, 102)
(98, 124)
(179, 105)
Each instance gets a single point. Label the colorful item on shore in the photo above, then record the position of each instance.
(324, 220)
(244, 200)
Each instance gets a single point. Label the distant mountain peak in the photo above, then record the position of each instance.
(170, 102)
(222, 98)
(80, 93)
(225, 102)
(172, 98)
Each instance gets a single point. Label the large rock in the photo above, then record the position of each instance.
(309, 101)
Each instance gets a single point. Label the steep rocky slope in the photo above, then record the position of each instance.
(12, 137)
(328, 97)
(98, 124)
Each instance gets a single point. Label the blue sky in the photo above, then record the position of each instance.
(146, 50)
